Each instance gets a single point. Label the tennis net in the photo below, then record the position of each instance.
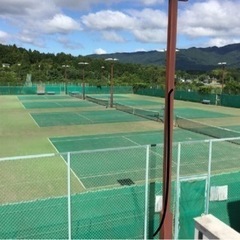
(97, 101)
(148, 114)
(208, 130)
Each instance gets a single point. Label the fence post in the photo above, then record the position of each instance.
(146, 195)
(176, 227)
(208, 183)
(69, 195)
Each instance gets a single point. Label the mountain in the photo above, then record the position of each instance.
(191, 59)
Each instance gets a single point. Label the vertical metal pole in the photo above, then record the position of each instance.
(166, 230)
(208, 184)
(146, 194)
(111, 87)
(65, 76)
(83, 85)
(177, 192)
(223, 70)
(69, 196)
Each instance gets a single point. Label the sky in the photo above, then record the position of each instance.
(83, 27)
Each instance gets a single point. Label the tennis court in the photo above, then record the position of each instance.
(124, 134)
(99, 156)
(56, 104)
(107, 158)
(83, 117)
(42, 97)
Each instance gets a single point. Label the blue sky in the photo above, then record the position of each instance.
(82, 27)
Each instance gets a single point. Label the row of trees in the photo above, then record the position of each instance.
(16, 63)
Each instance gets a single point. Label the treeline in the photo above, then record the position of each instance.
(16, 63)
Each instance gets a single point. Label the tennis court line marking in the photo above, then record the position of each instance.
(131, 140)
(21, 103)
(75, 175)
(65, 139)
(157, 154)
(85, 117)
(33, 120)
(81, 139)
(58, 104)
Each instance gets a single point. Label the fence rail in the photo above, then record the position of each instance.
(111, 193)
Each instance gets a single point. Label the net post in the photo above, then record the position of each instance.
(69, 195)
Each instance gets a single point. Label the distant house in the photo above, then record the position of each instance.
(7, 65)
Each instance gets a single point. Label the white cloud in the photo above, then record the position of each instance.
(112, 36)
(4, 37)
(148, 35)
(140, 50)
(60, 24)
(100, 51)
(211, 18)
(222, 41)
(108, 20)
(69, 44)
(146, 26)
(152, 2)
(213, 22)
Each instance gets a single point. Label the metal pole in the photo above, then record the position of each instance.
(65, 77)
(166, 230)
(111, 79)
(69, 197)
(83, 85)
(208, 178)
(111, 87)
(83, 78)
(146, 194)
(177, 192)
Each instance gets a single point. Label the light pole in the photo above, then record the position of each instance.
(165, 226)
(83, 80)
(65, 76)
(223, 64)
(19, 75)
(102, 67)
(112, 60)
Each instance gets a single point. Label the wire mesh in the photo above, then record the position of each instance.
(102, 193)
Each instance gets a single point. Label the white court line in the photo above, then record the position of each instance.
(58, 104)
(82, 139)
(85, 117)
(131, 140)
(81, 183)
(33, 120)
(21, 103)
(157, 154)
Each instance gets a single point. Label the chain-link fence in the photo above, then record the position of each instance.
(113, 193)
(207, 181)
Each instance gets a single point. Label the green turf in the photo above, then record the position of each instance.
(34, 178)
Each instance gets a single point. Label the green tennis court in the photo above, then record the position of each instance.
(192, 113)
(104, 160)
(42, 97)
(83, 117)
(125, 157)
(56, 104)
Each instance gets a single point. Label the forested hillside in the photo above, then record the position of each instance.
(141, 69)
(191, 59)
